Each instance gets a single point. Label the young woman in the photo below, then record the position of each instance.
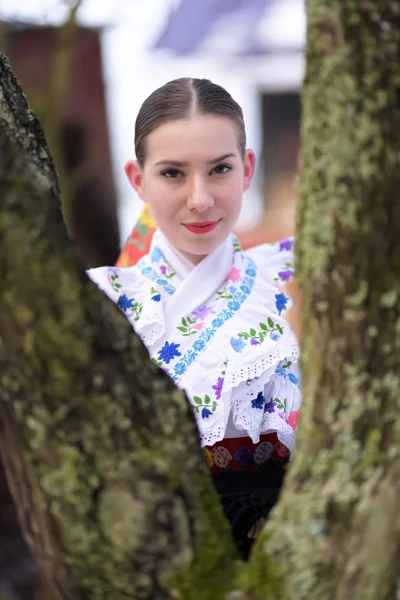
(211, 315)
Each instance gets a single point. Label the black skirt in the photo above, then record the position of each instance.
(247, 496)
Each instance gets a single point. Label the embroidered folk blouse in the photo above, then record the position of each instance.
(218, 329)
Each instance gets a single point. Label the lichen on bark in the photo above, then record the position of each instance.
(336, 531)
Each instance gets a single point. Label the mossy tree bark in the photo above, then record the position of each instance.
(100, 449)
(336, 532)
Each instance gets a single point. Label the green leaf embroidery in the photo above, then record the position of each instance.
(263, 326)
(207, 399)
(270, 322)
(197, 400)
(184, 329)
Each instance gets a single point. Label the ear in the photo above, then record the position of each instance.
(135, 176)
(249, 165)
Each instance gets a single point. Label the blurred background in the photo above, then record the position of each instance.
(87, 66)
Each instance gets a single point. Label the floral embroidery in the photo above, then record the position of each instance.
(263, 453)
(236, 245)
(234, 275)
(282, 372)
(224, 294)
(244, 457)
(218, 387)
(208, 407)
(203, 312)
(186, 327)
(125, 303)
(155, 295)
(156, 254)
(286, 245)
(237, 344)
(113, 279)
(168, 352)
(222, 457)
(285, 275)
(270, 406)
(281, 405)
(292, 419)
(242, 293)
(259, 336)
(280, 302)
(259, 401)
(166, 270)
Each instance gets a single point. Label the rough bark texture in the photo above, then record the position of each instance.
(100, 449)
(336, 532)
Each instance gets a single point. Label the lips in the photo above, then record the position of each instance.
(202, 227)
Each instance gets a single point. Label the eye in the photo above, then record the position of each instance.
(221, 169)
(171, 173)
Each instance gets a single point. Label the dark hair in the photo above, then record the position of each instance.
(181, 98)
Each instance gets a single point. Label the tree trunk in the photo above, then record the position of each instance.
(336, 532)
(101, 452)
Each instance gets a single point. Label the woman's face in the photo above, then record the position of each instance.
(194, 178)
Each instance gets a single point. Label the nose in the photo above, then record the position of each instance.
(200, 197)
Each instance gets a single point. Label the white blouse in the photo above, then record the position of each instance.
(218, 330)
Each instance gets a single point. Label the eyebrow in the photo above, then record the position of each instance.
(178, 163)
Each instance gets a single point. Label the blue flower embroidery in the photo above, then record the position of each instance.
(205, 413)
(281, 372)
(233, 305)
(237, 344)
(280, 301)
(275, 337)
(124, 302)
(156, 254)
(251, 272)
(294, 379)
(168, 352)
(156, 298)
(259, 401)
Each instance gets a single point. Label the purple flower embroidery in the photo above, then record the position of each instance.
(285, 275)
(168, 352)
(218, 387)
(244, 457)
(285, 245)
(202, 313)
(254, 342)
(259, 401)
(270, 406)
(163, 269)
